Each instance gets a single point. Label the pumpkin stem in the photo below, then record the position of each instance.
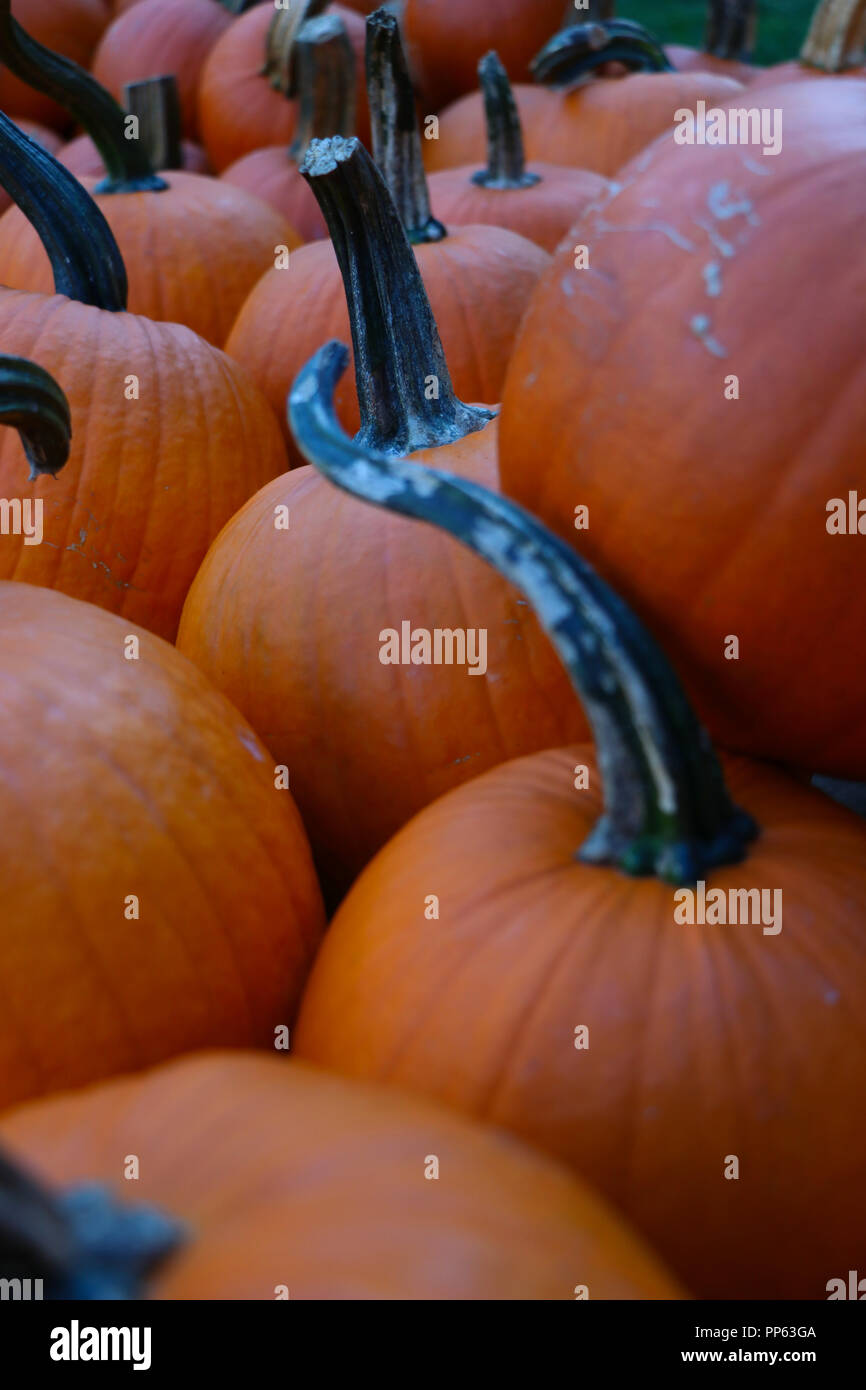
(237, 6)
(82, 1243)
(572, 56)
(667, 809)
(396, 138)
(280, 67)
(156, 104)
(129, 169)
(33, 403)
(506, 163)
(730, 31)
(398, 351)
(326, 83)
(836, 37)
(85, 259)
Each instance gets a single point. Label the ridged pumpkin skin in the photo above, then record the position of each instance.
(238, 109)
(161, 36)
(446, 39)
(600, 126)
(287, 1176)
(704, 1041)
(543, 213)
(83, 158)
(707, 514)
(288, 623)
(270, 175)
(149, 482)
(479, 281)
(134, 777)
(70, 27)
(192, 252)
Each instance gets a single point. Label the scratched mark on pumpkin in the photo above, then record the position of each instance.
(712, 273)
(701, 326)
(724, 205)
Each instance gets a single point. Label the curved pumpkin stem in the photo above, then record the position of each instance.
(128, 167)
(837, 36)
(730, 31)
(280, 67)
(84, 256)
(667, 809)
(506, 162)
(33, 403)
(396, 138)
(326, 82)
(398, 351)
(237, 6)
(82, 1243)
(155, 102)
(573, 55)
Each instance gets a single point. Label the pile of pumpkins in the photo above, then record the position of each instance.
(330, 968)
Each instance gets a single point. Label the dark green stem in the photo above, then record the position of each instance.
(326, 82)
(238, 6)
(573, 55)
(836, 36)
(155, 103)
(33, 403)
(280, 67)
(506, 163)
(82, 1243)
(405, 394)
(128, 167)
(730, 32)
(84, 256)
(396, 138)
(667, 809)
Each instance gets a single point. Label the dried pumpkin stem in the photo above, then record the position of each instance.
(155, 103)
(506, 163)
(85, 259)
(280, 67)
(837, 36)
(82, 1243)
(667, 809)
(128, 168)
(573, 55)
(730, 31)
(326, 82)
(238, 6)
(394, 126)
(405, 394)
(33, 404)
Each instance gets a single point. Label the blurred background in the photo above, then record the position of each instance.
(782, 24)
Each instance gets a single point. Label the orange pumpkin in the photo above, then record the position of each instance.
(688, 1039)
(158, 890)
(367, 744)
(633, 391)
(170, 436)
(540, 202)
(325, 66)
(277, 1180)
(244, 95)
(479, 279)
(71, 27)
(592, 122)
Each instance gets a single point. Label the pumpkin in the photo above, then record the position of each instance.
(447, 39)
(589, 1000)
(155, 34)
(834, 45)
(135, 927)
(366, 743)
(622, 396)
(260, 1179)
(592, 122)
(540, 202)
(170, 436)
(244, 95)
(479, 278)
(728, 43)
(325, 66)
(155, 103)
(71, 27)
(193, 247)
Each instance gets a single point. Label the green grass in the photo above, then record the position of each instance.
(782, 24)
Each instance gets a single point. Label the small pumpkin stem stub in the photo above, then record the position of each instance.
(506, 163)
(837, 36)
